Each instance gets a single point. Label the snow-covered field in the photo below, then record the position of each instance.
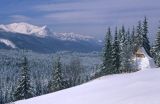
(142, 87)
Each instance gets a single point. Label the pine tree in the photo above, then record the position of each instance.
(133, 40)
(122, 47)
(116, 53)
(125, 51)
(75, 70)
(107, 54)
(139, 36)
(129, 53)
(156, 48)
(56, 83)
(146, 44)
(24, 89)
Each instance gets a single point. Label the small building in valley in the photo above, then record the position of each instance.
(143, 60)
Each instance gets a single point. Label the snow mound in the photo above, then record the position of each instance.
(145, 62)
(25, 28)
(8, 43)
(136, 88)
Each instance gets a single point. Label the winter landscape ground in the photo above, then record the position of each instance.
(79, 52)
(141, 87)
(136, 88)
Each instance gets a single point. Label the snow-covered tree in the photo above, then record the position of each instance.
(57, 82)
(139, 36)
(116, 53)
(107, 54)
(156, 48)
(24, 89)
(75, 71)
(125, 51)
(146, 42)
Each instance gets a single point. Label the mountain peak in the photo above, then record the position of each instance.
(25, 28)
(72, 36)
(43, 31)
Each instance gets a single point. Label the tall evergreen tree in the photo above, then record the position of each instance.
(139, 36)
(116, 53)
(129, 53)
(133, 40)
(24, 89)
(146, 44)
(56, 83)
(122, 44)
(125, 51)
(107, 54)
(156, 48)
(75, 71)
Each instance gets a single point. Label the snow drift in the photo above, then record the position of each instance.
(136, 88)
(8, 43)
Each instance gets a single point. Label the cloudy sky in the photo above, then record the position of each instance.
(90, 17)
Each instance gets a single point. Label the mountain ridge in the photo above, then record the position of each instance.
(45, 45)
(43, 31)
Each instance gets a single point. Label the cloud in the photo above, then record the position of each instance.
(19, 18)
(97, 10)
(76, 17)
(83, 16)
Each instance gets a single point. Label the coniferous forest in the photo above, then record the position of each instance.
(25, 74)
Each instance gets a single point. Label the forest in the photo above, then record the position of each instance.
(25, 74)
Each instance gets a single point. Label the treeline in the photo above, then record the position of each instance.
(26, 82)
(119, 51)
(156, 49)
(59, 79)
(118, 57)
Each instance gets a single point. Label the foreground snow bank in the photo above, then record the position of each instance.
(137, 88)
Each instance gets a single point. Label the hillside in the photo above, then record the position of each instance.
(136, 88)
(9, 40)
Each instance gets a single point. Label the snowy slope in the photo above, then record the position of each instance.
(25, 28)
(8, 43)
(137, 88)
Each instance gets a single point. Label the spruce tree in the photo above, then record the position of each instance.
(139, 36)
(24, 89)
(116, 53)
(133, 40)
(122, 48)
(107, 54)
(146, 44)
(129, 53)
(156, 48)
(125, 51)
(56, 83)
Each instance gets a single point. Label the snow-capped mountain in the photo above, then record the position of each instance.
(44, 31)
(43, 40)
(25, 28)
(72, 36)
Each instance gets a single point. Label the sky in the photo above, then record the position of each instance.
(87, 17)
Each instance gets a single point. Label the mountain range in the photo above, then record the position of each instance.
(44, 40)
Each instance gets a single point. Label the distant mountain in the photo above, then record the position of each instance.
(44, 31)
(72, 36)
(42, 39)
(25, 28)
